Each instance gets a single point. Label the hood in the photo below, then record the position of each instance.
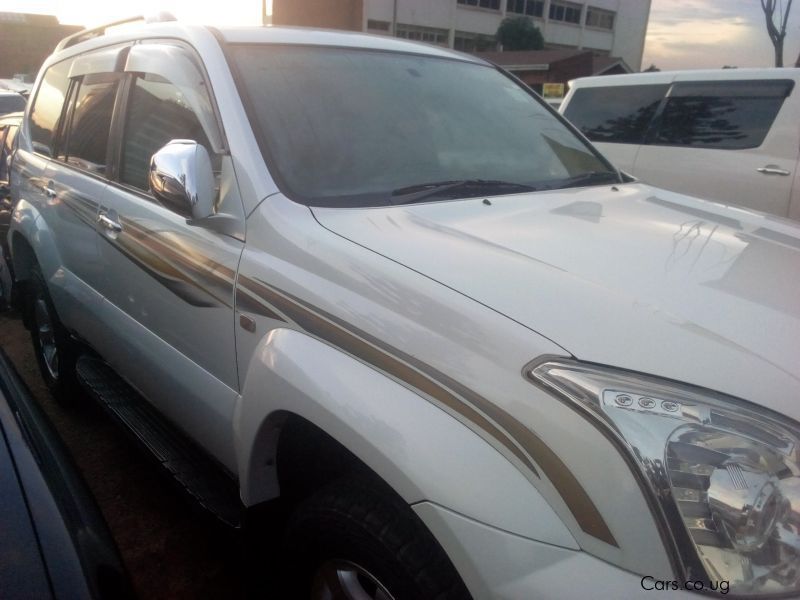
(632, 276)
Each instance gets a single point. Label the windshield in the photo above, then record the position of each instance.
(345, 127)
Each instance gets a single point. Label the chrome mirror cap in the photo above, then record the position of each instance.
(181, 178)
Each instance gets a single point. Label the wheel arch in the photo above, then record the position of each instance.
(420, 451)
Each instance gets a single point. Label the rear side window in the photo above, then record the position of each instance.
(87, 139)
(730, 115)
(158, 112)
(47, 108)
(617, 114)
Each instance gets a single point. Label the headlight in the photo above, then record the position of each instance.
(725, 474)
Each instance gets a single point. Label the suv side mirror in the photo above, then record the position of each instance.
(181, 177)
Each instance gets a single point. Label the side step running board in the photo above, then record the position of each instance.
(182, 459)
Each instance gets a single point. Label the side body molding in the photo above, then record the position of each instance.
(423, 453)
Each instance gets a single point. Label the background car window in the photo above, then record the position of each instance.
(727, 115)
(87, 139)
(157, 113)
(5, 150)
(10, 103)
(47, 108)
(618, 114)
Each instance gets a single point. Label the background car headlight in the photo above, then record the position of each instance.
(725, 474)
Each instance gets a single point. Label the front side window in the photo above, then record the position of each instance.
(616, 114)
(158, 112)
(6, 150)
(730, 115)
(87, 136)
(388, 122)
(47, 108)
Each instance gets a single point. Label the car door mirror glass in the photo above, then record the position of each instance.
(181, 178)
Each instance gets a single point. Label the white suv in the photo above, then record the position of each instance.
(729, 135)
(386, 283)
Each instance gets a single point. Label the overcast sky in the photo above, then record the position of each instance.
(692, 34)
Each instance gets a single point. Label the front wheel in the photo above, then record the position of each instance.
(54, 350)
(356, 540)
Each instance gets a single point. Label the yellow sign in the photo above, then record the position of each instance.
(552, 90)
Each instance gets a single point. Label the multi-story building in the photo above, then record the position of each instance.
(606, 27)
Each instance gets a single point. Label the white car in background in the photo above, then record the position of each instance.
(729, 135)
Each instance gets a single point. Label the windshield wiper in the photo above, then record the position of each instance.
(419, 192)
(590, 178)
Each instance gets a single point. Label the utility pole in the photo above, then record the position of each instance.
(394, 18)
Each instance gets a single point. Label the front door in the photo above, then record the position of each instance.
(170, 284)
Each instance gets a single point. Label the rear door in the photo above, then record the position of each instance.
(171, 284)
(735, 142)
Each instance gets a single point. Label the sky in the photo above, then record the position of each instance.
(682, 34)
(695, 34)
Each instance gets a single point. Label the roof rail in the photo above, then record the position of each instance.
(87, 34)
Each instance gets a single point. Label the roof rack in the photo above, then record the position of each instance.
(88, 34)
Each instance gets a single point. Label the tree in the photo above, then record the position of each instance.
(519, 33)
(776, 28)
(651, 69)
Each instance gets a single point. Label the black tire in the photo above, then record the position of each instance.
(359, 524)
(48, 334)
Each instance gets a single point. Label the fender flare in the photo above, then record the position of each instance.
(419, 450)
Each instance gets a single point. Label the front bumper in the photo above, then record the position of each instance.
(495, 564)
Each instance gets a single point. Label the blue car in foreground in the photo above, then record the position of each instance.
(54, 543)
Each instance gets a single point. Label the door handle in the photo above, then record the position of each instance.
(773, 170)
(109, 224)
(49, 191)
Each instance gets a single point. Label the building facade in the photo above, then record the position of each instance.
(606, 27)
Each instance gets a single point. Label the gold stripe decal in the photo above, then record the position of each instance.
(473, 409)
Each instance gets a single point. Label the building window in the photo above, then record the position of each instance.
(597, 17)
(373, 25)
(474, 42)
(423, 34)
(532, 8)
(491, 4)
(565, 11)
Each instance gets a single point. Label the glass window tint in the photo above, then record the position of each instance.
(532, 8)
(5, 151)
(47, 108)
(10, 103)
(618, 114)
(158, 112)
(493, 4)
(565, 11)
(725, 115)
(87, 140)
(388, 121)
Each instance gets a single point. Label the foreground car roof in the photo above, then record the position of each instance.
(342, 39)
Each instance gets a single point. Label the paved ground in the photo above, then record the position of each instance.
(170, 549)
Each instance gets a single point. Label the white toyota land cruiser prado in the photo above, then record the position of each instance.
(385, 282)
